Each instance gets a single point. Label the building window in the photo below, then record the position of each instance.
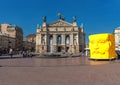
(67, 40)
(51, 40)
(59, 39)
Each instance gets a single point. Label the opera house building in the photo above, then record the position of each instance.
(60, 36)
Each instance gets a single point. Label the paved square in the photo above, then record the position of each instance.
(58, 71)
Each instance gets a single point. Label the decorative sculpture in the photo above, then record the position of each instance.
(59, 16)
(74, 18)
(63, 18)
(44, 19)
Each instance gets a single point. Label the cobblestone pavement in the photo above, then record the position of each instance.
(58, 71)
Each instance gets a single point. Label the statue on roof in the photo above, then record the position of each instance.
(63, 18)
(59, 16)
(74, 18)
(44, 19)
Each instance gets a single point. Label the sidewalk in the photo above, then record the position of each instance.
(8, 56)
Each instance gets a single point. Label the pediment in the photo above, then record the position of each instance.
(60, 23)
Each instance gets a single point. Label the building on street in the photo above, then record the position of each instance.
(13, 34)
(60, 36)
(29, 42)
(117, 38)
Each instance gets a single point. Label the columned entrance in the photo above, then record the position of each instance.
(60, 36)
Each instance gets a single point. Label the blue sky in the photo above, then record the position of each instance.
(98, 16)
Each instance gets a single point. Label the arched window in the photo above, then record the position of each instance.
(67, 40)
(51, 40)
(59, 39)
(51, 44)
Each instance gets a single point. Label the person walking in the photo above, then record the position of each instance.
(11, 52)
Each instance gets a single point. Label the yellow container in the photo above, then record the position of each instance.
(102, 46)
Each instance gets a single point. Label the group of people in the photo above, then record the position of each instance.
(24, 53)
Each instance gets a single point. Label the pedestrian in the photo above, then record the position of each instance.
(24, 54)
(11, 52)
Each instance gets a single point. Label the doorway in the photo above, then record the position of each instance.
(67, 49)
(59, 49)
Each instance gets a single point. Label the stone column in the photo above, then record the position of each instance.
(63, 39)
(45, 45)
(71, 43)
(77, 40)
(77, 44)
(45, 39)
(39, 40)
(71, 39)
(54, 42)
(54, 39)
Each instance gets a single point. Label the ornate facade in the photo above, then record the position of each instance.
(13, 32)
(117, 38)
(6, 41)
(60, 36)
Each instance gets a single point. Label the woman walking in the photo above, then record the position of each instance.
(11, 52)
